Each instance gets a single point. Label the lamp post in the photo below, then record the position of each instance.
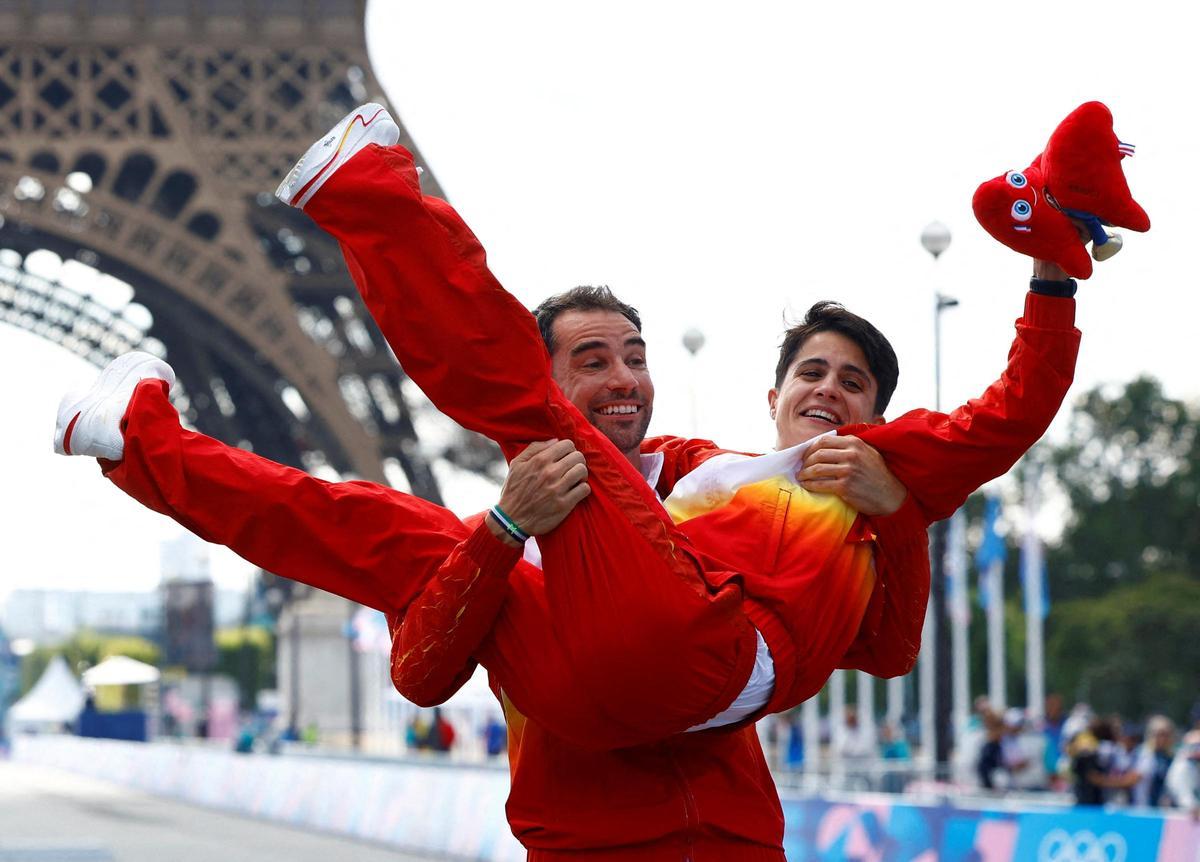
(935, 239)
(693, 340)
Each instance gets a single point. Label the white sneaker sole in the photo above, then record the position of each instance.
(121, 375)
(367, 124)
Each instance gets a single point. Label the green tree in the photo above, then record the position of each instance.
(1132, 651)
(247, 654)
(1125, 577)
(1131, 470)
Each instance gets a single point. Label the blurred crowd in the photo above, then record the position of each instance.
(1100, 760)
(432, 730)
(1094, 759)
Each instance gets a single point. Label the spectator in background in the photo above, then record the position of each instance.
(1091, 753)
(1123, 769)
(1153, 762)
(1183, 777)
(495, 736)
(1076, 723)
(416, 734)
(858, 742)
(990, 764)
(1052, 728)
(310, 734)
(1012, 752)
(893, 747)
(441, 732)
(968, 741)
(793, 739)
(434, 733)
(1023, 751)
(246, 737)
(980, 707)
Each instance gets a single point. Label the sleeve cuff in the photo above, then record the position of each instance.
(1049, 312)
(492, 556)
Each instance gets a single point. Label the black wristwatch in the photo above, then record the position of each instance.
(1052, 287)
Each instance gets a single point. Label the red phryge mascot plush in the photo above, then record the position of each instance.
(1077, 176)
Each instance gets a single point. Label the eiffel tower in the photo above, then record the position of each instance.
(140, 141)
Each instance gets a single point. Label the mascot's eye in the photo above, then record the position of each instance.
(1016, 179)
(1022, 210)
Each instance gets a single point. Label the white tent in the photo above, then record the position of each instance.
(120, 670)
(55, 699)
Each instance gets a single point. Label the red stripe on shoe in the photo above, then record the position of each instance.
(67, 436)
(357, 119)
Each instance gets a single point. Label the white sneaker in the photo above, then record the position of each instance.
(90, 423)
(367, 124)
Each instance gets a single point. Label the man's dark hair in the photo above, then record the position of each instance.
(832, 317)
(582, 298)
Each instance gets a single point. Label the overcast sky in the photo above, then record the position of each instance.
(721, 167)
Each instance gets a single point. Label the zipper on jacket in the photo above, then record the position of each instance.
(691, 816)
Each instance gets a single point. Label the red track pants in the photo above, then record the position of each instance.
(379, 547)
(626, 640)
(633, 610)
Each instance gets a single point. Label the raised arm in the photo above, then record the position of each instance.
(942, 458)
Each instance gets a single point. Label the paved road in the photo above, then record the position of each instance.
(51, 816)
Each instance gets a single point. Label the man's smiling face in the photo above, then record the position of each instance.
(599, 362)
(827, 385)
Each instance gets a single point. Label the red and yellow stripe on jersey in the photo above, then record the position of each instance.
(807, 559)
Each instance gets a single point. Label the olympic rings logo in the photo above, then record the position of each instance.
(1061, 846)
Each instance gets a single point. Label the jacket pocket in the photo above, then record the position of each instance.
(774, 542)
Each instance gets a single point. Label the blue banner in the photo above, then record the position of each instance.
(874, 828)
(992, 549)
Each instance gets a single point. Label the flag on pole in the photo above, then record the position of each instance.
(1031, 555)
(956, 569)
(1033, 562)
(1036, 607)
(993, 549)
(368, 632)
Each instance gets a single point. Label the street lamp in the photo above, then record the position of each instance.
(693, 340)
(935, 239)
(941, 302)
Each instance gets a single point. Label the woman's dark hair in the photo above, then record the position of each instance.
(831, 317)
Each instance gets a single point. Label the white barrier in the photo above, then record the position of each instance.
(451, 810)
(458, 811)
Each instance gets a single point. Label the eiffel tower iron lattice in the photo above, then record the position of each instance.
(139, 142)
